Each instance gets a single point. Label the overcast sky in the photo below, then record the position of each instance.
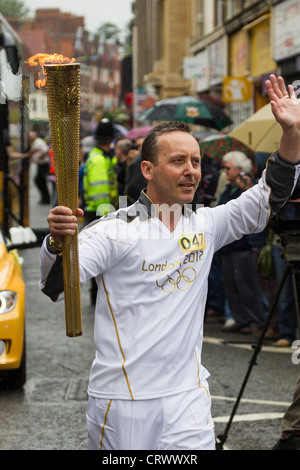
(95, 12)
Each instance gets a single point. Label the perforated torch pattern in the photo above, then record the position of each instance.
(63, 97)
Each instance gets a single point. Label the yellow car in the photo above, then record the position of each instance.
(12, 319)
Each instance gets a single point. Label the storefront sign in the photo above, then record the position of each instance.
(286, 29)
(236, 89)
(195, 69)
(217, 60)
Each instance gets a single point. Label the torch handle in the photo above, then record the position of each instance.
(72, 286)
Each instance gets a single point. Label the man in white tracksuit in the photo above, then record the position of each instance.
(148, 388)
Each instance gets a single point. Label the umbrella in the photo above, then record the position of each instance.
(188, 109)
(217, 148)
(119, 129)
(200, 136)
(138, 132)
(261, 132)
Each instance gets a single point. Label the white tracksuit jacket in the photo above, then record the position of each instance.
(152, 285)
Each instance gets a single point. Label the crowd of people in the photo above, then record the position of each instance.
(239, 290)
(240, 294)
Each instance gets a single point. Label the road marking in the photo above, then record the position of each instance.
(251, 400)
(222, 342)
(249, 417)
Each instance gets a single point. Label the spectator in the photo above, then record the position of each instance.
(122, 149)
(99, 179)
(210, 170)
(39, 154)
(11, 152)
(290, 424)
(135, 181)
(239, 274)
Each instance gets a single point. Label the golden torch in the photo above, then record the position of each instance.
(63, 98)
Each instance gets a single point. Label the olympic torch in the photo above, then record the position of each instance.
(63, 98)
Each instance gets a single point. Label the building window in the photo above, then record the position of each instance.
(234, 7)
(219, 9)
(199, 9)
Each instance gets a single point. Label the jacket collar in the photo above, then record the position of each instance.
(148, 210)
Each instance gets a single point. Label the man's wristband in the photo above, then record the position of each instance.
(55, 245)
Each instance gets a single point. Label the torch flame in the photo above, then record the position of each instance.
(44, 59)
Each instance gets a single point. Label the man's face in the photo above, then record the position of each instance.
(139, 143)
(231, 171)
(118, 151)
(177, 175)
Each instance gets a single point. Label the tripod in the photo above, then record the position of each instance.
(292, 247)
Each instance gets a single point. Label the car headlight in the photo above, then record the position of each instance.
(7, 300)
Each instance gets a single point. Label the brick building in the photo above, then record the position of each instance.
(52, 31)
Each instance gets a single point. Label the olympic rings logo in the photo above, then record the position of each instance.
(183, 281)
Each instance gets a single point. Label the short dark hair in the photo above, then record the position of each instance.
(150, 147)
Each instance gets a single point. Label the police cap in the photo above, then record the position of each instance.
(105, 131)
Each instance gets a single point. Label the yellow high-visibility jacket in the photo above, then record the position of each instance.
(99, 182)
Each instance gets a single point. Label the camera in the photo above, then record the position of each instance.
(290, 211)
(288, 218)
(286, 224)
(242, 176)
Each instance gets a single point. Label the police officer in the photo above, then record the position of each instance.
(99, 179)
